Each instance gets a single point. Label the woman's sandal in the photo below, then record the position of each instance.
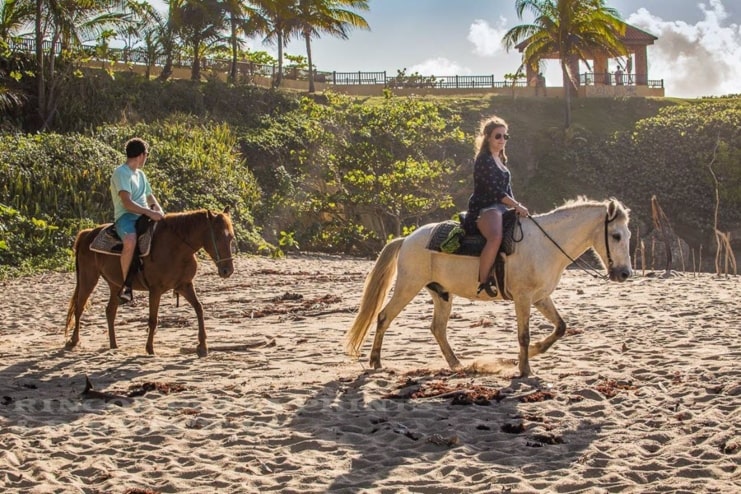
(489, 287)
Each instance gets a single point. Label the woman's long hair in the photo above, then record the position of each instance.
(486, 129)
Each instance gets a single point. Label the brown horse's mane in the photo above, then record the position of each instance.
(183, 223)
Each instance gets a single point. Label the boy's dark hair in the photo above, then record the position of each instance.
(135, 147)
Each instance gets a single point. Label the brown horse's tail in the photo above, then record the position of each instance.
(377, 286)
(73, 301)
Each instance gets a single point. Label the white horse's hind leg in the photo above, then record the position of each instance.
(522, 309)
(443, 306)
(549, 310)
(403, 294)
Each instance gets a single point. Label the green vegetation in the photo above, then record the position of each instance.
(337, 174)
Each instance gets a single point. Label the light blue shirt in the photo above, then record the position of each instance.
(134, 182)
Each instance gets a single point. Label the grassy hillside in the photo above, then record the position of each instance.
(312, 158)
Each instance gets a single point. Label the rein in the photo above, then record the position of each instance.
(581, 264)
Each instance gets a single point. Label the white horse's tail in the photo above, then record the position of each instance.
(377, 286)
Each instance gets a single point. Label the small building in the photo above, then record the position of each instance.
(631, 78)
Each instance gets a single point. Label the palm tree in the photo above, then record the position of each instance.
(575, 29)
(243, 18)
(199, 24)
(280, 19)
(152, 31)
(14, 15)
(330, 16)
(65, 27)
(166, 35)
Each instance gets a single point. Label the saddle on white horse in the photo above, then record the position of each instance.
(462, 239)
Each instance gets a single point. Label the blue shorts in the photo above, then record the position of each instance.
(126, 224)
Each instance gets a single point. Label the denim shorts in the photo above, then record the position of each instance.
(502, 208)
(126, 224)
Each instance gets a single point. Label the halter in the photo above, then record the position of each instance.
(216, 249)
(581, 264)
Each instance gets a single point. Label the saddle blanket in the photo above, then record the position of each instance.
(450, 237)
(107, 241)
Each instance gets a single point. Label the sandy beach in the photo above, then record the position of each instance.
(642, 395)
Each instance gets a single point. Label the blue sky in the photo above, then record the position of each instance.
(698, 52)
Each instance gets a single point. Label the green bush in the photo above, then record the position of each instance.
(29, 244)
(58, 178)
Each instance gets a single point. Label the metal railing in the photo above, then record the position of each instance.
(417, 81)
(619, 79)
(245, 67)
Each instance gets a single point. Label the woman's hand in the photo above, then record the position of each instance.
(521, 210)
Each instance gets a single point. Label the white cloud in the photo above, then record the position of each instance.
(487, 40)
(701, 59)
(439, 66)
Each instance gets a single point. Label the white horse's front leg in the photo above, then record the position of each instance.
(550, 312)
(522, 309)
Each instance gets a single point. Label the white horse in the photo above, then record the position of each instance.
(550, 242)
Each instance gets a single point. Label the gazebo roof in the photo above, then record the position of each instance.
(632, 37)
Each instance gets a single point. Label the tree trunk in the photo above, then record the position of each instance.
(279, 76)
(235, 48)
(307, 37)
(195, 71)
(567, 94)
(167, 44)
(40, 75)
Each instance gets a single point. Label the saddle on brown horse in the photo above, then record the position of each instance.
(108, 241)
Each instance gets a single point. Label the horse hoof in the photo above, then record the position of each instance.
(375, 364)
(202, 352)
(70, 345)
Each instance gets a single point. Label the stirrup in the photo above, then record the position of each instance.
(488, 288)
(126, 295)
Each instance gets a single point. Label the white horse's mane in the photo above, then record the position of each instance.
(580, 201)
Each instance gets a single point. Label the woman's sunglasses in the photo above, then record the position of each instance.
(501, 136)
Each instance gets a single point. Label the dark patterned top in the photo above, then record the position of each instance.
(490, 185)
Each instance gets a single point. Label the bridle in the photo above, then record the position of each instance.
(216, 248)
(581, 264)
(218, 259)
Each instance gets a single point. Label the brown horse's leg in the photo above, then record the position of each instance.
(154, 307)
(87, 276)
(547, 308)
(189, 292)
(110, 314)
(75, 312)
(440, 318)
(522, 309)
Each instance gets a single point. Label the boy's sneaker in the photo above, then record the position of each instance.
(126, 295)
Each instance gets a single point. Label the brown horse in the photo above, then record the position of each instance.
(170, 265)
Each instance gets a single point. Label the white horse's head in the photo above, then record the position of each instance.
(614, 247)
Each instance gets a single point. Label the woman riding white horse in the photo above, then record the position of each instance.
(549, 244)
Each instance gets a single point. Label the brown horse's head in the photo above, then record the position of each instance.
(221, 246)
